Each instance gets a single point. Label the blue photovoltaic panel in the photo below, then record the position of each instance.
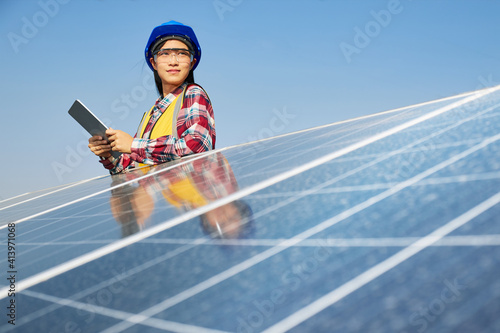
(385, 223)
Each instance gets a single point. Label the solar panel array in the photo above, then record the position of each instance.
(385, 223)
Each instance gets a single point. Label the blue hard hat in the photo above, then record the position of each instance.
(172, 28)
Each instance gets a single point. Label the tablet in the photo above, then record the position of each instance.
(89, 121)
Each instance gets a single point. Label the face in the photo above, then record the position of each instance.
(171, 71)
(227, 218)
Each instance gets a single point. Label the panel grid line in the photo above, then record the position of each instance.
(201, 155)
(364, 117)
(467, 240)
(256, 142)
(164, 325)
(52, 192)
(371, 274)
(116, 278)
(43, 276)
(294, 240)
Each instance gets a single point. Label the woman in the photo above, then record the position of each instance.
(181, 122)
(187, 186)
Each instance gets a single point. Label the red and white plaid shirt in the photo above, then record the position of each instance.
(195, 131)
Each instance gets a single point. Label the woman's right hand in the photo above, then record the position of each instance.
(99, 146)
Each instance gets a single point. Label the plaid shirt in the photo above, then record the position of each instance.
(212, 176)
(195, 131)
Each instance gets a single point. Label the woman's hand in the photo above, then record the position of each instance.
(119, 140)
(99, 146)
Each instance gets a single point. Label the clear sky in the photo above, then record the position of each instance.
(269, 66)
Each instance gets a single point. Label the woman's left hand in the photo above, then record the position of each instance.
(120, 141)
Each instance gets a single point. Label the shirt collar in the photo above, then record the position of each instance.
(163, 103)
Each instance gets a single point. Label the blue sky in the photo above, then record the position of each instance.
(270, 67)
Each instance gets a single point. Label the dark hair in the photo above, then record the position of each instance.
(246, 224)
(159, 85)
(157, 45)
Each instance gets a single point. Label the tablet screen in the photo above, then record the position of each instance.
(89, 121)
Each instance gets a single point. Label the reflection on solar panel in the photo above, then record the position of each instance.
(385, 223)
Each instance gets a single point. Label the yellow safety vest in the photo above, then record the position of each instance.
(184, 193)
(165, 125)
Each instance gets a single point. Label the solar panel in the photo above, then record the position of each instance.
(382, 223)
